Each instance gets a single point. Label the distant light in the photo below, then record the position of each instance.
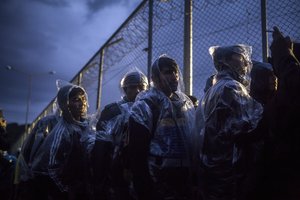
(52, 72)
(8, 67)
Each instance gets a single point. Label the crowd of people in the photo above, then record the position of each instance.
(239, 141)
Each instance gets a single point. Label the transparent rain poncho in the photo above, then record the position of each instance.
(240, 73)
(118, 125)
(226, 115)
(53, 156)
(32, 145)
(113, 119)
(169, 120)
(133, 77)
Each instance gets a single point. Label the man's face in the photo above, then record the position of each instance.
(78, 105)
(169, 79)
(239, 63)
(271, 86)
(132, 91)
(2, 124)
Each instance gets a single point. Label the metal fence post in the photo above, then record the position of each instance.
(264, 33)
(150, 32)
(100, 78)
(188, 47)
(79, 78)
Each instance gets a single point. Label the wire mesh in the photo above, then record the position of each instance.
(223, 22)
(286, 16)
(89, 81)
(215, 22)
(126, 51)
(168, 23)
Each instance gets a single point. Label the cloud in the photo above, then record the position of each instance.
(22, 33)
(96, 5)
(54, 3)
(41, 35)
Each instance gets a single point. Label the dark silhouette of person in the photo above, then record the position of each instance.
(282, 174)
(113, 121)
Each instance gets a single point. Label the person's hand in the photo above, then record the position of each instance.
(280, 43)
(280, 48)
(276, 33)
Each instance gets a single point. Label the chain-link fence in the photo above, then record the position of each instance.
(145, 35)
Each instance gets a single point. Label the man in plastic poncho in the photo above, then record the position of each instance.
(114, 122)
(229, 115)
(24, 178)
(160, 135)
(131, 84)
(60, 166)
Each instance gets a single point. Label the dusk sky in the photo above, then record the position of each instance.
(39, 36)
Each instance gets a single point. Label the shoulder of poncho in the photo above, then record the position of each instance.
(126, 106)
(111, 105)
(115, 105)
(182, 95)
(231, 84)
(110, 110)
(48, 118)
(151, 94)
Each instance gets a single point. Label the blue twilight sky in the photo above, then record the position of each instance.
(39, 36)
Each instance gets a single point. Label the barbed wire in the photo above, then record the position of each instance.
(214, 21)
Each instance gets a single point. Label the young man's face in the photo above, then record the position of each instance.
(239, 63)
(2, 124)
(169, 79)
(132, 91)
(78, 105)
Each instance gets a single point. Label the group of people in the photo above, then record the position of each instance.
(248, 138)
(240, 142)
